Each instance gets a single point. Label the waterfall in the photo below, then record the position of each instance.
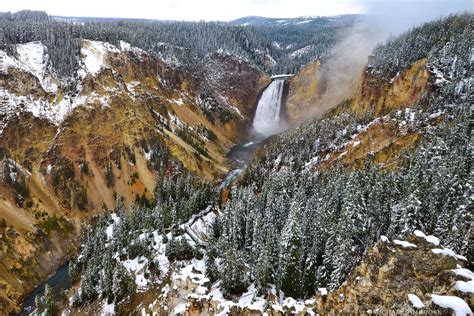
(267, 117)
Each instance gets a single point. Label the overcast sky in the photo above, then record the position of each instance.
(225, 10)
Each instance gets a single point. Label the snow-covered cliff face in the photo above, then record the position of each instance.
(75, 144)
(48, 96)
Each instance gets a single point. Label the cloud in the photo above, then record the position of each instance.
(397, 16)
(228, 10)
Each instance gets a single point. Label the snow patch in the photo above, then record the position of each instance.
(415, 301)
(448, 252)
(124, 46)
(95, 55)
(33, 58)
(465, 287)
(108, 309)
(179, 309)
(55, 111)
(431, 239)
(404, 244)
(465, 273)
(458, 305)
(300, 52)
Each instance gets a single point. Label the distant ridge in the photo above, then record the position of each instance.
(260, 20)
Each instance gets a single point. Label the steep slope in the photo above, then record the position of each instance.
(407, 276)
(393, 158)
(305, 92)
(71, 146)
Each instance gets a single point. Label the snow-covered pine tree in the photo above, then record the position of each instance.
(289, 279)
(49, 303)
(234, 272)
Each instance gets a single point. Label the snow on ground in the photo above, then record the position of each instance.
(6, 61)
(148, 155)
(179, 101)
(404, 244)
(431, 239)
(131, 86)
(110, 231)
(194, 271)
(95, 56)
(290, 303)
(137, 266)
(300, 52)
(33, 58)
(180, 309)
(415, 301)
(465, 273)
(198, 226)
(448, 252)
(55, 111)
(107, 309)
(384, 238)
(465, 287)
(310, 163)
(160, 257)
(458, 305)
(248, 299)
(440, 79)
(126, 47)
(323, 291)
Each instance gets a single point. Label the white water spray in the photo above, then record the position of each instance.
(267, 119)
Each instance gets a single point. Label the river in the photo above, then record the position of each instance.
(59, 282)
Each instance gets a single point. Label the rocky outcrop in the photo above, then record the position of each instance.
(395, 273)
(305, 92)
(381, 96)
(236, 82)
(312, 92)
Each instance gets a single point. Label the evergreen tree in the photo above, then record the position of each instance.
(38, 305)
(49, 303)
(234, 272)
(290, 255)
(262, 272)
(123, 284)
